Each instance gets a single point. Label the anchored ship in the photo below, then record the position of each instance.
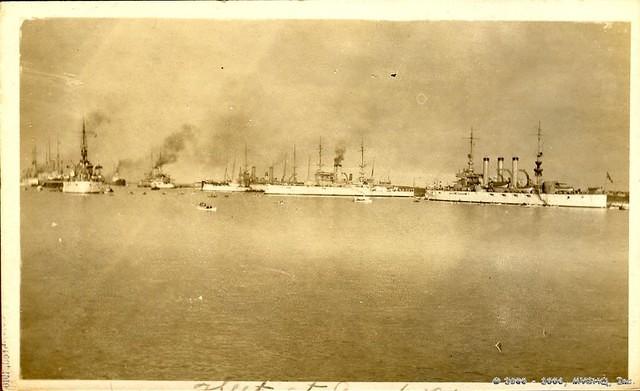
(85, 178)
(116, 180)
(30, 177)
(155, 178)
(160, 180)
(337, 183)
(513, 187)
(231, 186)
(222, 186)
(47, 175)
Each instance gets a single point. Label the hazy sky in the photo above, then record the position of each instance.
(204, 88)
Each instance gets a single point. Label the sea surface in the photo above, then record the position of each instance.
(146, 286)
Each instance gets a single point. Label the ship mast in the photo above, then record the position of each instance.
(362, 165)
(83, 149)
(34, 160)
(284, 170)
(470, 155)
(294, 179)
(58, 168)
(320, 155)
(538, 169)
(233, 168)
(246, 168)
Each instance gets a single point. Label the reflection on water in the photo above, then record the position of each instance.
(149, 287)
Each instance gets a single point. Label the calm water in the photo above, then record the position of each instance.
(148, 287)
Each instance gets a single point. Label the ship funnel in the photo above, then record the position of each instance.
(500, 167)
(514, 172)
(485, 171)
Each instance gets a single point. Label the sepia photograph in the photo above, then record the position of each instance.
(323, 199)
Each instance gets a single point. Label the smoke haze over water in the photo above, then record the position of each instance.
(412, 90)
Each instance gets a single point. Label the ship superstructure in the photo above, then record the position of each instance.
(512, 186)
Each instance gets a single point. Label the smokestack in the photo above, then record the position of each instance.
(271, 178)
(514, 172)
(253, 173)
(485, 171)
(337, 162)
(500, 167)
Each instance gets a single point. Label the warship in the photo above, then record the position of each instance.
(156, 179)
(514, 186)
(116, 179)
(231, 186)
(85, 178)
(160, 180)
(337, 183)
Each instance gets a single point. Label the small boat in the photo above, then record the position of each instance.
(362, 199)
(206, 207)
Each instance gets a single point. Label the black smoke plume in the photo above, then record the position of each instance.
(174, 144)
(97, 118)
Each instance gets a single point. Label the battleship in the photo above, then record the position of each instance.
(337, 183)
(513, 187)
(85, 178)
